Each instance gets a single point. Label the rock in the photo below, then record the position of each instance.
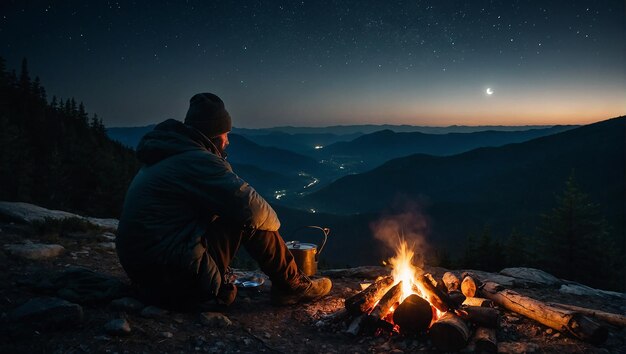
(583, 290)
(107, 236)
(532, 275)
(153, 312)
(106, 245)
(166, 334)
(128, 304)
(215, 319)
(517, 347)
(34, 251)
(85, 286)
(29, 213)
(117, 327)
(47, 312)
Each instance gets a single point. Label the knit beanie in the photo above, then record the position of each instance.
(207, 114)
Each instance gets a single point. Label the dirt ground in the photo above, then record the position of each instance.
(257, 326)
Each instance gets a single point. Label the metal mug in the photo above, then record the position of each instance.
(306, 255)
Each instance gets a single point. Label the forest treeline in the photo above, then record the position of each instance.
(572, 242)
(53, 154)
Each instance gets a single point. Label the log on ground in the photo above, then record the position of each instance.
(612, 318)
(482, 316)
(563, 320)
(449, 333)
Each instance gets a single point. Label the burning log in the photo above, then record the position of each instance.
(413, 315)
(485, 340)
(435, 296)
(477, 301)
(363, 301)
(482, 316)
(451, 281)
(563, 320)
(386, 302)
(612, 318)
(449, 333)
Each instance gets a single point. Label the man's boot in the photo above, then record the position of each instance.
(306, 290)
(289, 285)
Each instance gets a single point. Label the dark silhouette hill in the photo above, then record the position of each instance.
(243, 151)
(373, 149)
(268, 183)
(371, 128)
(303, 143)
(504, 187)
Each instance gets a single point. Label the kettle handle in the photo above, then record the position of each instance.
(325, 231)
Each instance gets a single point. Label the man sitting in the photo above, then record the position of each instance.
(186, 213)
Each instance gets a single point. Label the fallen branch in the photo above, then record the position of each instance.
(562, 320)
(612, 318)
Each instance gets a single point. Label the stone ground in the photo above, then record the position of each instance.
(255, 325)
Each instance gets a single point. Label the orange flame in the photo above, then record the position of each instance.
(403, 270)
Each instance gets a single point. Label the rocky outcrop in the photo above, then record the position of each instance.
(29, 213)
(47, 312)
(34, 251)
(532, 275)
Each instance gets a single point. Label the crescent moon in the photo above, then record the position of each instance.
(489, 91)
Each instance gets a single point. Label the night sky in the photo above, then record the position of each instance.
(316, 63)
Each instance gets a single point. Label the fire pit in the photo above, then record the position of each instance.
(451, 313)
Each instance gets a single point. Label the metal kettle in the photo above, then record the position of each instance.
(306, 255)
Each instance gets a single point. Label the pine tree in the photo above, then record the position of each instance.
(574, 238)
(24, 77)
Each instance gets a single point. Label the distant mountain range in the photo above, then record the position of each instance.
(370, 128)
(283, 165)
(503, 187)
(376, 148)
(311, 136)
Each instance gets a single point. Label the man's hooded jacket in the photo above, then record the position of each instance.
(183, 186)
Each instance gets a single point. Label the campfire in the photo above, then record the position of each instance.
(411, 302)
(449, 311)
